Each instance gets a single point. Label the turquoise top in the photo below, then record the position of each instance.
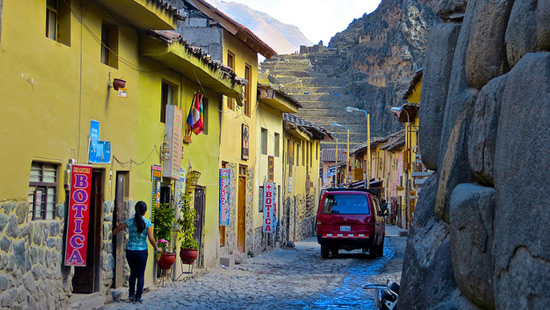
(137, 241)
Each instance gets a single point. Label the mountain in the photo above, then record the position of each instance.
(283, 38)
(368, 66)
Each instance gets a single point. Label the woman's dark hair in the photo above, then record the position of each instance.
(141, 208)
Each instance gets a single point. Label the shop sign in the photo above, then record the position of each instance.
(192, 179)
(270, 168)
(244, 142)
(156, 176)
(270, 207)
(76, 243)
(225, 207)
(173, 130)
(98, 151)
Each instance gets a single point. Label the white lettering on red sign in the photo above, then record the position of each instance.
(270, 207)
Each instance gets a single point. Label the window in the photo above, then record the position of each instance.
(276, 142)
(167, 97)
(261, 200)
(264, 141)
(204, 116)
(247, 91)
(58, 21)
(42, 191)
(346, 204)
(311, 154)
(231, 64)
(109, 45)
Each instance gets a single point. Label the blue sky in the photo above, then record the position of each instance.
(317, 19)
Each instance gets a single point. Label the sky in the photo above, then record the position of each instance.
(317, 19)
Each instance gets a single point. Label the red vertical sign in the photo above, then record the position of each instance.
(79, 215)
(270, 207)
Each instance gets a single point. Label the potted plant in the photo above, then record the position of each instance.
(163, 222)
(186, 222)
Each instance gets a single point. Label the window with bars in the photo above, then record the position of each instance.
(42, 191)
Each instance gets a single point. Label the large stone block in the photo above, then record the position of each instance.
(522, 237)
(486, 55)
(483, 130)
(471, 227)
(521, 34)
(453, 155)
(427, 279)
(435, 84)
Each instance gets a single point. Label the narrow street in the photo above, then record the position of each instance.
(295, 278)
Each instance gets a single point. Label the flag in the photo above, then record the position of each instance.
(189, 122)
(198, 125)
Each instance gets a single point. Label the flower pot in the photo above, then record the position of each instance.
(188, 256)
(166, 260)
(118, 83)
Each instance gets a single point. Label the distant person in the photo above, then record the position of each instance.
(140, 229)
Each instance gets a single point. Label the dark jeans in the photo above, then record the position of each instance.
(137, 261)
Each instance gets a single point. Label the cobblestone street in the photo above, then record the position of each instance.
(285, 279)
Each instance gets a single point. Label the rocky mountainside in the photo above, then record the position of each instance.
(480, 237)
(283, 38)
(369, 66)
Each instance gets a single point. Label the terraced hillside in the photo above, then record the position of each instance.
(368, 66)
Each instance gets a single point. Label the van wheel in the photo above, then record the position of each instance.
(380, 249)
(334, 251)
(324, 251)
(373, 251)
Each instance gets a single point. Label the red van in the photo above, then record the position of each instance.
(350, 219)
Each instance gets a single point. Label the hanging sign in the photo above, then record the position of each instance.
(156, 176)
(225, 208)
(76, 243)
(173, 130)
(270, 168)
(244, 142)
(192, 179)
(270, 207)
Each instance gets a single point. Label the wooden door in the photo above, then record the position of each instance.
(241, 216)
(199, 222)
(86, 279)
(120, 214)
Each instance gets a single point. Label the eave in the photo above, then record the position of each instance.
(277, 100)
(145, 14)
(178, 57)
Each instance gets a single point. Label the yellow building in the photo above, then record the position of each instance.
(60, 108)
(237, 47)
(301, 178)
(176, 73)
(269, 164)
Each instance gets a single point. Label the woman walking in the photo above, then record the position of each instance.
(140, 229)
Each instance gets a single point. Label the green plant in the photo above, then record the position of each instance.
(186, 223)
(163, 222)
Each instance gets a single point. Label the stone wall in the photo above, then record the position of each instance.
(31, 271)
(480, 231)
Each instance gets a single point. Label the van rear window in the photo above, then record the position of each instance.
(345, 204)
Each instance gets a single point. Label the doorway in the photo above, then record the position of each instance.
(86, 279)
(119, 215)
(241, 216)
(199, 222)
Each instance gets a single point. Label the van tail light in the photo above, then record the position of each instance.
(318, 222)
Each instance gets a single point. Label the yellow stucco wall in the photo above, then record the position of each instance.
(272, 120)
(49, 95)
